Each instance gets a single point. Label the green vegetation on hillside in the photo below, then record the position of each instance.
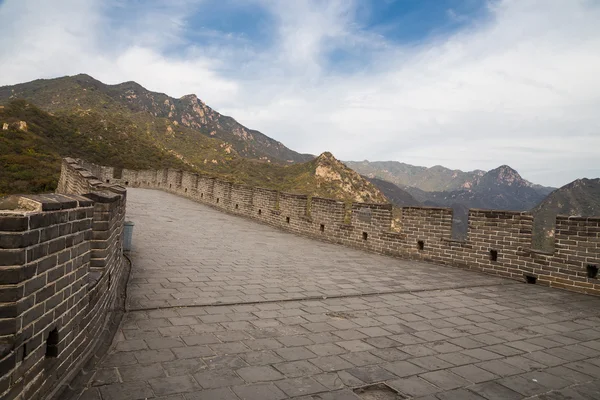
(34, 142)
(186, 125)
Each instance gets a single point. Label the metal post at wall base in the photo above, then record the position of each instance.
(127, 235)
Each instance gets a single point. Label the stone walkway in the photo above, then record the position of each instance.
(224, 308)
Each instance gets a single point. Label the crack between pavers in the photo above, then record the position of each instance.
(309, 298)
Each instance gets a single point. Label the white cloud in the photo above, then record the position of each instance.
(520, 87)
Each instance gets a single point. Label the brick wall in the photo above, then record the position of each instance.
(498, 242)
(61, 273)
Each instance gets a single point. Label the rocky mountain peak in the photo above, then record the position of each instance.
(505, 175)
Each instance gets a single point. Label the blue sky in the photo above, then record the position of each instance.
(468, 84)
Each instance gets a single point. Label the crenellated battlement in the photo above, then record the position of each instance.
(61, 277)
(498, 242)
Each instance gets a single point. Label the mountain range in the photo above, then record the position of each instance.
(502, 188)
(128, 126)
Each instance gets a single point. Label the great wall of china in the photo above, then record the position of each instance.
(63, 274)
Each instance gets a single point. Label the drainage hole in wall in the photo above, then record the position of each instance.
(322, 228)
(170, 185)
(287, 219)
(592, 271)
(531, 279)
(201, 195)
(493, 255)
(185, 190)
(108, 181)
(52, 344)
(421, 245)
(237, 206)
(259, 211)
(217, 200)
(365, 235)
(126, 183)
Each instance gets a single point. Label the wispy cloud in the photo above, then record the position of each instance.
(518, 85)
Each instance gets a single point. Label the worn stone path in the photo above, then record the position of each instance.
(224, 308)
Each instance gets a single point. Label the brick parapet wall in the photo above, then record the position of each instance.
(498, 242)
(60, 270)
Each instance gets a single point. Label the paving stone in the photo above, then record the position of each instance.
(355, 345)
(263, 344)
(474, 374)
(119, 359)
(381, 342)
(403, 368)
(371, 373)
(153, 356)
(291, 341)
(413, 386)
(212, 394)
(444, 379)
(331, 363)
(218, 378)
(457, 358)
(390, 354)
(164, 343)
(330, 380)
(261, 358)
(187, 366)
(523, 386)
(206, 338)
(543, 357)
(192, 352)
(173, 384)
(328, 349)
(141, 372)
(569, 374)
(259, 392)
(105, 376)
(295, 369)
(418, 350)
(430, 363)
(350, 334)
(255, 374)
(523, 363)
(300, 386)
(481, 354)
(295, 353)
(495, 391)
(131, 345)
(229, 348)
(90, 394)
(228, 362)
(126, 391)
(459, 394)
(361, 358)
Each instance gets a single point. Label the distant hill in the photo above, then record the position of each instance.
(580, 197)
(501, 188)
(154, 114)
(432, 179)
(396, 195)
(33, 141)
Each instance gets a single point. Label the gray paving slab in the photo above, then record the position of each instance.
(432, 332)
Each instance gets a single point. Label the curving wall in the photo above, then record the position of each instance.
(62, 276)
(498, 242)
